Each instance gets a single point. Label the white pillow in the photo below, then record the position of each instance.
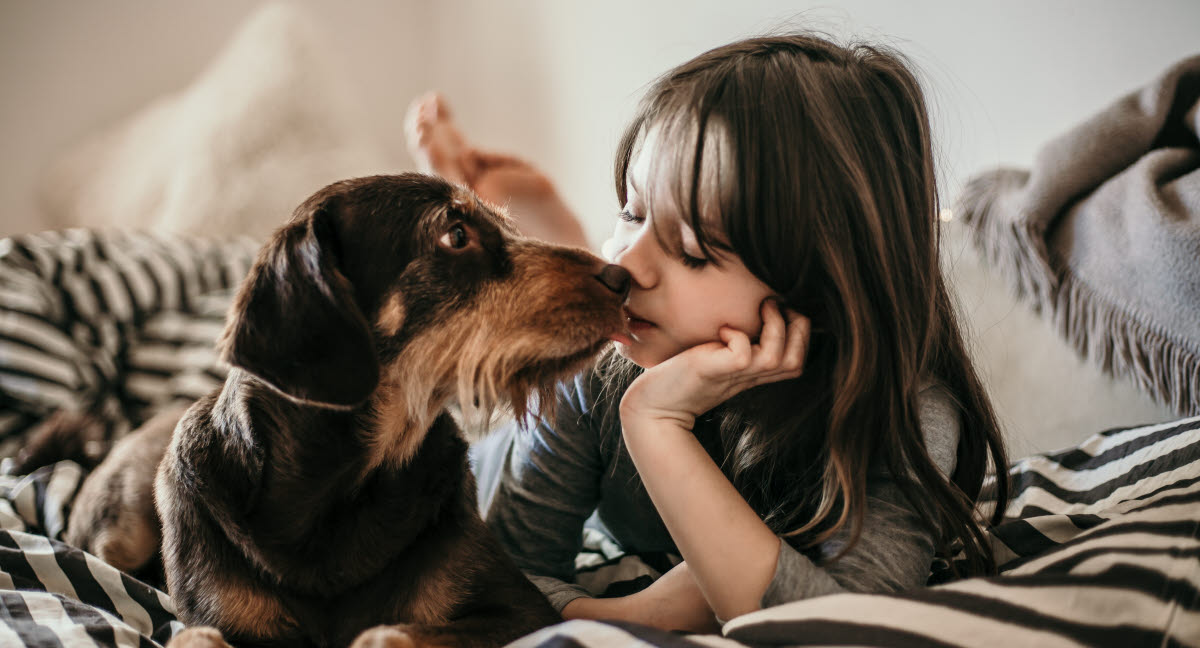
(268, 123)
(1046, 396)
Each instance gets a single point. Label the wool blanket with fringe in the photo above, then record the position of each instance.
(1102, 234)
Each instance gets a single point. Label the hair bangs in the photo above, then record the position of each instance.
(691, 173)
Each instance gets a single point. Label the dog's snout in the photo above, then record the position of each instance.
(615, 278)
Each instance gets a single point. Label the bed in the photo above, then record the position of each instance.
(1100, 543)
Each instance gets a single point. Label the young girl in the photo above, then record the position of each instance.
(793, 410)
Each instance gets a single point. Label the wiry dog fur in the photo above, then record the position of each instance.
(113, 515)
(324, 490)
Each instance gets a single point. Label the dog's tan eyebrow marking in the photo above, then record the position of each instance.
(462, 203)
(476, 211)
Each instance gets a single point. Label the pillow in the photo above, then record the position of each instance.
(1046, 396)
(264, 126)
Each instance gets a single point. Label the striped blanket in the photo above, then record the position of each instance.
(1100, 545)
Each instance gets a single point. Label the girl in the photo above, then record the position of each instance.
(792, 410)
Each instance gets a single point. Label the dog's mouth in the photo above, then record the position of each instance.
(552, 368)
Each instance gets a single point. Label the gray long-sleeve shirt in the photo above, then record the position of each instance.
(553, 478)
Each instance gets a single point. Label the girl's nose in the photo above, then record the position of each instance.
(636, 254)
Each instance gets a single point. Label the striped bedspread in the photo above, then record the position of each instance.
(1100, 545)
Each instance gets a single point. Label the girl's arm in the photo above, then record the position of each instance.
(673, 602)
(738, 562)
(731, 552)
(548, 485)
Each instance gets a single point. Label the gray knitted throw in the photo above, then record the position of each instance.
(1102, 235)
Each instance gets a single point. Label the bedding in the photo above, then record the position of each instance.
(115, 323)
(1100, 543)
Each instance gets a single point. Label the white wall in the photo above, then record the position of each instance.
(69, 69)
(555, 81)
(558, 79)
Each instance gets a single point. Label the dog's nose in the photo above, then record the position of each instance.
(615, 278)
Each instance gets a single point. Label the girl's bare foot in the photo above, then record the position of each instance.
(440, 148)
(434, 141)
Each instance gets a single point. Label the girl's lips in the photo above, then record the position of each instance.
(621, 338)
(633, 326)
(635, 323)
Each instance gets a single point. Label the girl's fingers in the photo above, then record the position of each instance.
(738, 344)
(772, 338)
(798, 334)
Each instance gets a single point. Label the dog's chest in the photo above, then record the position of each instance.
(422, 585)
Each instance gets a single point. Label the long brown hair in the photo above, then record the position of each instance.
(832, 202)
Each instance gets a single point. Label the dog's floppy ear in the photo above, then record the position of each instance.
(295, 322)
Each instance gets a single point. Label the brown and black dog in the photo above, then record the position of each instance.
(322, 496)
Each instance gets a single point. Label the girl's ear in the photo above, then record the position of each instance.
(295, 323)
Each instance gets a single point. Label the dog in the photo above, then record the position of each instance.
(66, 435)
(112, 515)
(322, 496)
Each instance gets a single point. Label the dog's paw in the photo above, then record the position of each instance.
(198, 637)
(385, 637)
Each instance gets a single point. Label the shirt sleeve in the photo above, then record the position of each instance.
(548, 486)
(895, 551)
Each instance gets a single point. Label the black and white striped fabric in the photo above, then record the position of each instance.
(52, 594)
(114, 323)
(1100, 546)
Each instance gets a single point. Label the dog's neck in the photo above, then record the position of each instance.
(311, 467)
(383, 433)
(396, 429)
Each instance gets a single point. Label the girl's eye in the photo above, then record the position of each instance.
(627, 216)
(456, 238)
(691, 261)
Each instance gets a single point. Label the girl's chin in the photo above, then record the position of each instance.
(638, 354)
(626, 350)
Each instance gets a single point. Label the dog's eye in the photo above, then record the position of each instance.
(456, 238)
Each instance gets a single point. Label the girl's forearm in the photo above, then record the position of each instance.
(731, 553)
(673, 603)
(595, 608)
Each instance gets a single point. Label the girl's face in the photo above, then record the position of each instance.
(678, 299)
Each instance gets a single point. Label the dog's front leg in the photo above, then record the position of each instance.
(474, 631)
(198, 637)
(392, 636)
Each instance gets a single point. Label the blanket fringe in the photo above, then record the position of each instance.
(1014, 243)
(1125, 347)
(1009, 239)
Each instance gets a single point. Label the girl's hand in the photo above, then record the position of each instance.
(704, 376)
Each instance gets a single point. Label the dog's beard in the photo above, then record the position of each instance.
(481, 374)
(507, 380)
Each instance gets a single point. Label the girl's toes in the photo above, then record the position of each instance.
(434, 141)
